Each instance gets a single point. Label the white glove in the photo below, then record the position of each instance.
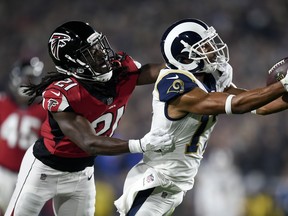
(223, 76)
(157, 141)
(284, 81)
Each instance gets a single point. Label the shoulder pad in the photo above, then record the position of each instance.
(174, 83)
(54, 100)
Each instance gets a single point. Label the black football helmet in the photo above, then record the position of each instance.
(192, 45)
(24, 72)
(78, 50)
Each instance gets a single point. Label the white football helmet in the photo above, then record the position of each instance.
(192, 45)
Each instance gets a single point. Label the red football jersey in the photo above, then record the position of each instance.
(70, 95)
(20, 128)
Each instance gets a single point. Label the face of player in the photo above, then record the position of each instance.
(206, 50)
(101, 61)
(209, 51)
(97, 59)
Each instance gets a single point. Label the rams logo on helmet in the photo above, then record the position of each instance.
(57, 41)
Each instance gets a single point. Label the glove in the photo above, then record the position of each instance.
(158, 141)
(223, 76)
(284, 81)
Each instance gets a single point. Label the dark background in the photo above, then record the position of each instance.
(257, 35)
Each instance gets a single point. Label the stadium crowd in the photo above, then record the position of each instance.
(254, 147)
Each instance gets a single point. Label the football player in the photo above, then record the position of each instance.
(189, 94)
(19, 124)
(85, 100)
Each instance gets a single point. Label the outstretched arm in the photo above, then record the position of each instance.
(78, 129)
(275, 106)
(199, 102)
(149, 73)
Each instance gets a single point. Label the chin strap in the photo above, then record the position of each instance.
(284, 82)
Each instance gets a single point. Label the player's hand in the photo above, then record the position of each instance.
(284, 82)
(225, 76)
(158, 141)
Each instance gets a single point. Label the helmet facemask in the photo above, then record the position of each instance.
(95, 59)
(211, 49)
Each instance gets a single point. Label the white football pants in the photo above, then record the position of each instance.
(73, 193)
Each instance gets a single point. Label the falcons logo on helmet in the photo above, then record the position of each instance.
(57, 41)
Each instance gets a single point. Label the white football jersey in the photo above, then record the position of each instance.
(191, 133)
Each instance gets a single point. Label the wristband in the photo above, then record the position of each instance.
(284, 82)
(254, 111)
(228, 104)
(135, 146)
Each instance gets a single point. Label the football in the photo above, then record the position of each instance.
(277, 71)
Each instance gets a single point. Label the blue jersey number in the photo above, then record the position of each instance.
(195, 146)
